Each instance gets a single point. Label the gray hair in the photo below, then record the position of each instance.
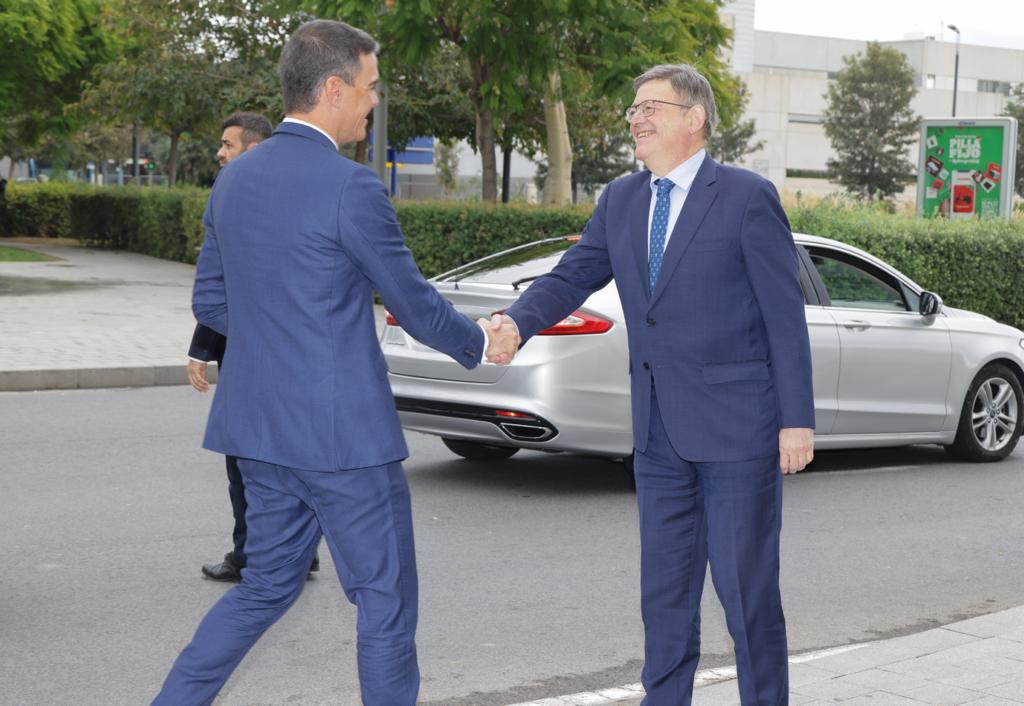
(691, 87)
(316, 51)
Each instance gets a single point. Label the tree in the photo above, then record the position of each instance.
(1015, 109)
(49, 49)
(732, 142)
(870, 122)
(446, 156)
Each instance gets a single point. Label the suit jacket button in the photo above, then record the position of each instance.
(650, 322)
(647, 366)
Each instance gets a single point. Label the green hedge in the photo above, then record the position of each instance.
(976, 265)
(167, 223)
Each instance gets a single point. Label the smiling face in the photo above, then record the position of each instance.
(358, 100)
(669, 136)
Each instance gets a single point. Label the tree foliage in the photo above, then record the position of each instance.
(870, 123)
(49, 49)
(1015, 109)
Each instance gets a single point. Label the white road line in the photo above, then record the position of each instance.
(705, 677)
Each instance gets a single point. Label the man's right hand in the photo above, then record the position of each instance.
(197, 375)
(502, 339)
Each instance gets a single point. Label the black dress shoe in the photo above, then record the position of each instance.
(227, 570)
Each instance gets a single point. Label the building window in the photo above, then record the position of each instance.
(806, 118)
(1000, 87)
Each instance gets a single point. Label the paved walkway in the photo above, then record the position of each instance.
(978, 662)
(94, 318)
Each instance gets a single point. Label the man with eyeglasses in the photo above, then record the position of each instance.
(707, 272)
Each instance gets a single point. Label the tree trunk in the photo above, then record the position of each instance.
(172, 159)
(558, 185)
(485, 136)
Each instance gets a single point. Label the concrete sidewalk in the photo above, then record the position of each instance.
(95, 318)
(978, 662)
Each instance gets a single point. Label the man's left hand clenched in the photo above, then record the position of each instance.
(796, 449)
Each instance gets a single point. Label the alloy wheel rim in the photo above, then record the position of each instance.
(994, 414)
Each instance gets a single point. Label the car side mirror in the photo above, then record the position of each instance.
(931, 304)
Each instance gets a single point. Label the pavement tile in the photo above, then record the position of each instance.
(943, 694)
(1010, 690)
(992, 624)
(884, 680)
(800, 674)
(879, 698)
(724, 693)
(839, 689)
(903, 648)
(995, 701)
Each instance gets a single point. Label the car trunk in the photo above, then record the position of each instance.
(407, 356)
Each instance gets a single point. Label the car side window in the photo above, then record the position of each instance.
(854, 284)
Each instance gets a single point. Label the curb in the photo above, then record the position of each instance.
(92, 378)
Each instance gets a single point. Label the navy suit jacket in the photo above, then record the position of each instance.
(206, 345)
(297, 240)
(723, 337)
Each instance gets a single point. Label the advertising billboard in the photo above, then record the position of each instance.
(966, 167)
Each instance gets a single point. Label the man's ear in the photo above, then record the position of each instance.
(697, 119)
(334, 90)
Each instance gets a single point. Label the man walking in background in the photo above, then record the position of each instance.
(298, 238)
(707, 272)
(239, 133)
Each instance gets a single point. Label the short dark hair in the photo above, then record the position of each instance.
(316, 51)
(255, 128)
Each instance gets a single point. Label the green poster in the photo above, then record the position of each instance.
(964, 168)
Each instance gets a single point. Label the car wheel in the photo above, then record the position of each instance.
(990, 421)
(475, 451)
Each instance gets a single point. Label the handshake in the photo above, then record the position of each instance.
(502, 338)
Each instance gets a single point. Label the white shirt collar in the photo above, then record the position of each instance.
(683, 175)
(320, 130)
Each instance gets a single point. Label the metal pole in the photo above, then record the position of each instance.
(506, 167)
(956, 66)
(135, 154)
(380, 134)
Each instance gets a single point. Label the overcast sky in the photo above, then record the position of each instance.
(997, 23)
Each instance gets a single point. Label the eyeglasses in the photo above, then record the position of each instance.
(646, 108)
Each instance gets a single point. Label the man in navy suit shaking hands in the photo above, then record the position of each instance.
(297, 240)
(707, 272)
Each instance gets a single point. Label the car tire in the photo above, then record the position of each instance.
(475, 451)
(990, 419)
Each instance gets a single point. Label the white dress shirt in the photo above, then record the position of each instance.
(682, 176)
(320, 130)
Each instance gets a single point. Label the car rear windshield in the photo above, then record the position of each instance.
(523, 263)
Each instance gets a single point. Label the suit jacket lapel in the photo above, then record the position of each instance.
(699, 199)
(638, 216)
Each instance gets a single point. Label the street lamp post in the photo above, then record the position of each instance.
(956, 65)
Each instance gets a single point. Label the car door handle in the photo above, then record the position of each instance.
(857, 325)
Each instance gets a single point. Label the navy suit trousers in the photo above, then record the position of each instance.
(236, 491)
(365, 516)
(727, 514)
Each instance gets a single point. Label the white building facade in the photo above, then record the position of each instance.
(788, 76)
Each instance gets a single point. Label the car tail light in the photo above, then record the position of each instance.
(389, 319)
(512, 415)
(578, 322)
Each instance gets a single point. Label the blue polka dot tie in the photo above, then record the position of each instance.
(659, 228)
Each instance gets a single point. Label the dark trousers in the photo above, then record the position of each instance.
(236, 491)
(366, 518)
(728, 515)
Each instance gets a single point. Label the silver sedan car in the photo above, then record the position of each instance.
(892, 365)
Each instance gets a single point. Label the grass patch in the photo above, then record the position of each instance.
(18, 255)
